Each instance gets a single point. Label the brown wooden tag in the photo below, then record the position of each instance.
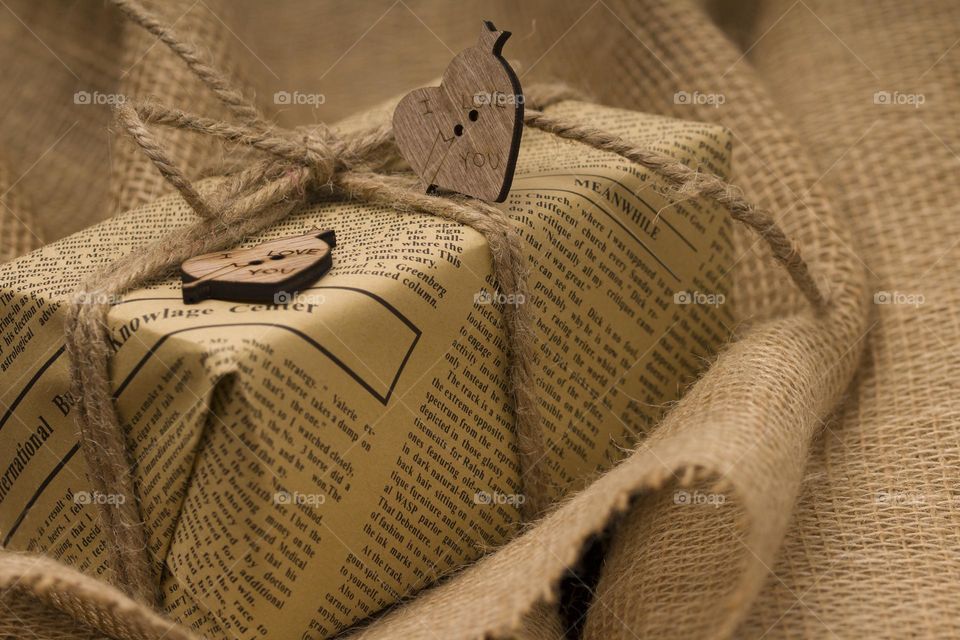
(271, 272)
(464, 135)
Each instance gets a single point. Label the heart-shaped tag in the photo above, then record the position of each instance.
(464, 135)
(271, 272)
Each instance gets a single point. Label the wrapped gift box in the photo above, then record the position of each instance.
(302, 465)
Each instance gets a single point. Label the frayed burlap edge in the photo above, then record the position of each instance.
(67, 603)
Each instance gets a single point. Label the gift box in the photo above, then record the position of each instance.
(304, 464)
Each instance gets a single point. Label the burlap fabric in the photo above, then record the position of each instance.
(874, 550)
(18, 228)
(57, 60)
(872, 547)
(64, 68)
(839, 514)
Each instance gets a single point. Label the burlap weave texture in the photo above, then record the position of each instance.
(832, 440)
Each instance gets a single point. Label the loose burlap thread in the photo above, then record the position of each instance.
(300, 168)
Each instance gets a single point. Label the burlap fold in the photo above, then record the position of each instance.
(874, 547)
(43, 599)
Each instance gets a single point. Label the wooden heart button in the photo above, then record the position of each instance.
(464, 135)
(271, 272)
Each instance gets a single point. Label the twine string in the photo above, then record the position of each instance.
(296, 166)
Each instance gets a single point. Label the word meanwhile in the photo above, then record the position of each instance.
(619, 200)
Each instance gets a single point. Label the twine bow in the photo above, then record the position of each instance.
(298, 165)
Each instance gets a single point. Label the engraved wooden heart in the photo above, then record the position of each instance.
(271, 272)
(464, 135)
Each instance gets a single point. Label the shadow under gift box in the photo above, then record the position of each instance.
(301, 466)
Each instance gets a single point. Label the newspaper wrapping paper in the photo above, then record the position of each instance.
(300, 466)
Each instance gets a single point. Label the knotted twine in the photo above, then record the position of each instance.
(298, 166)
